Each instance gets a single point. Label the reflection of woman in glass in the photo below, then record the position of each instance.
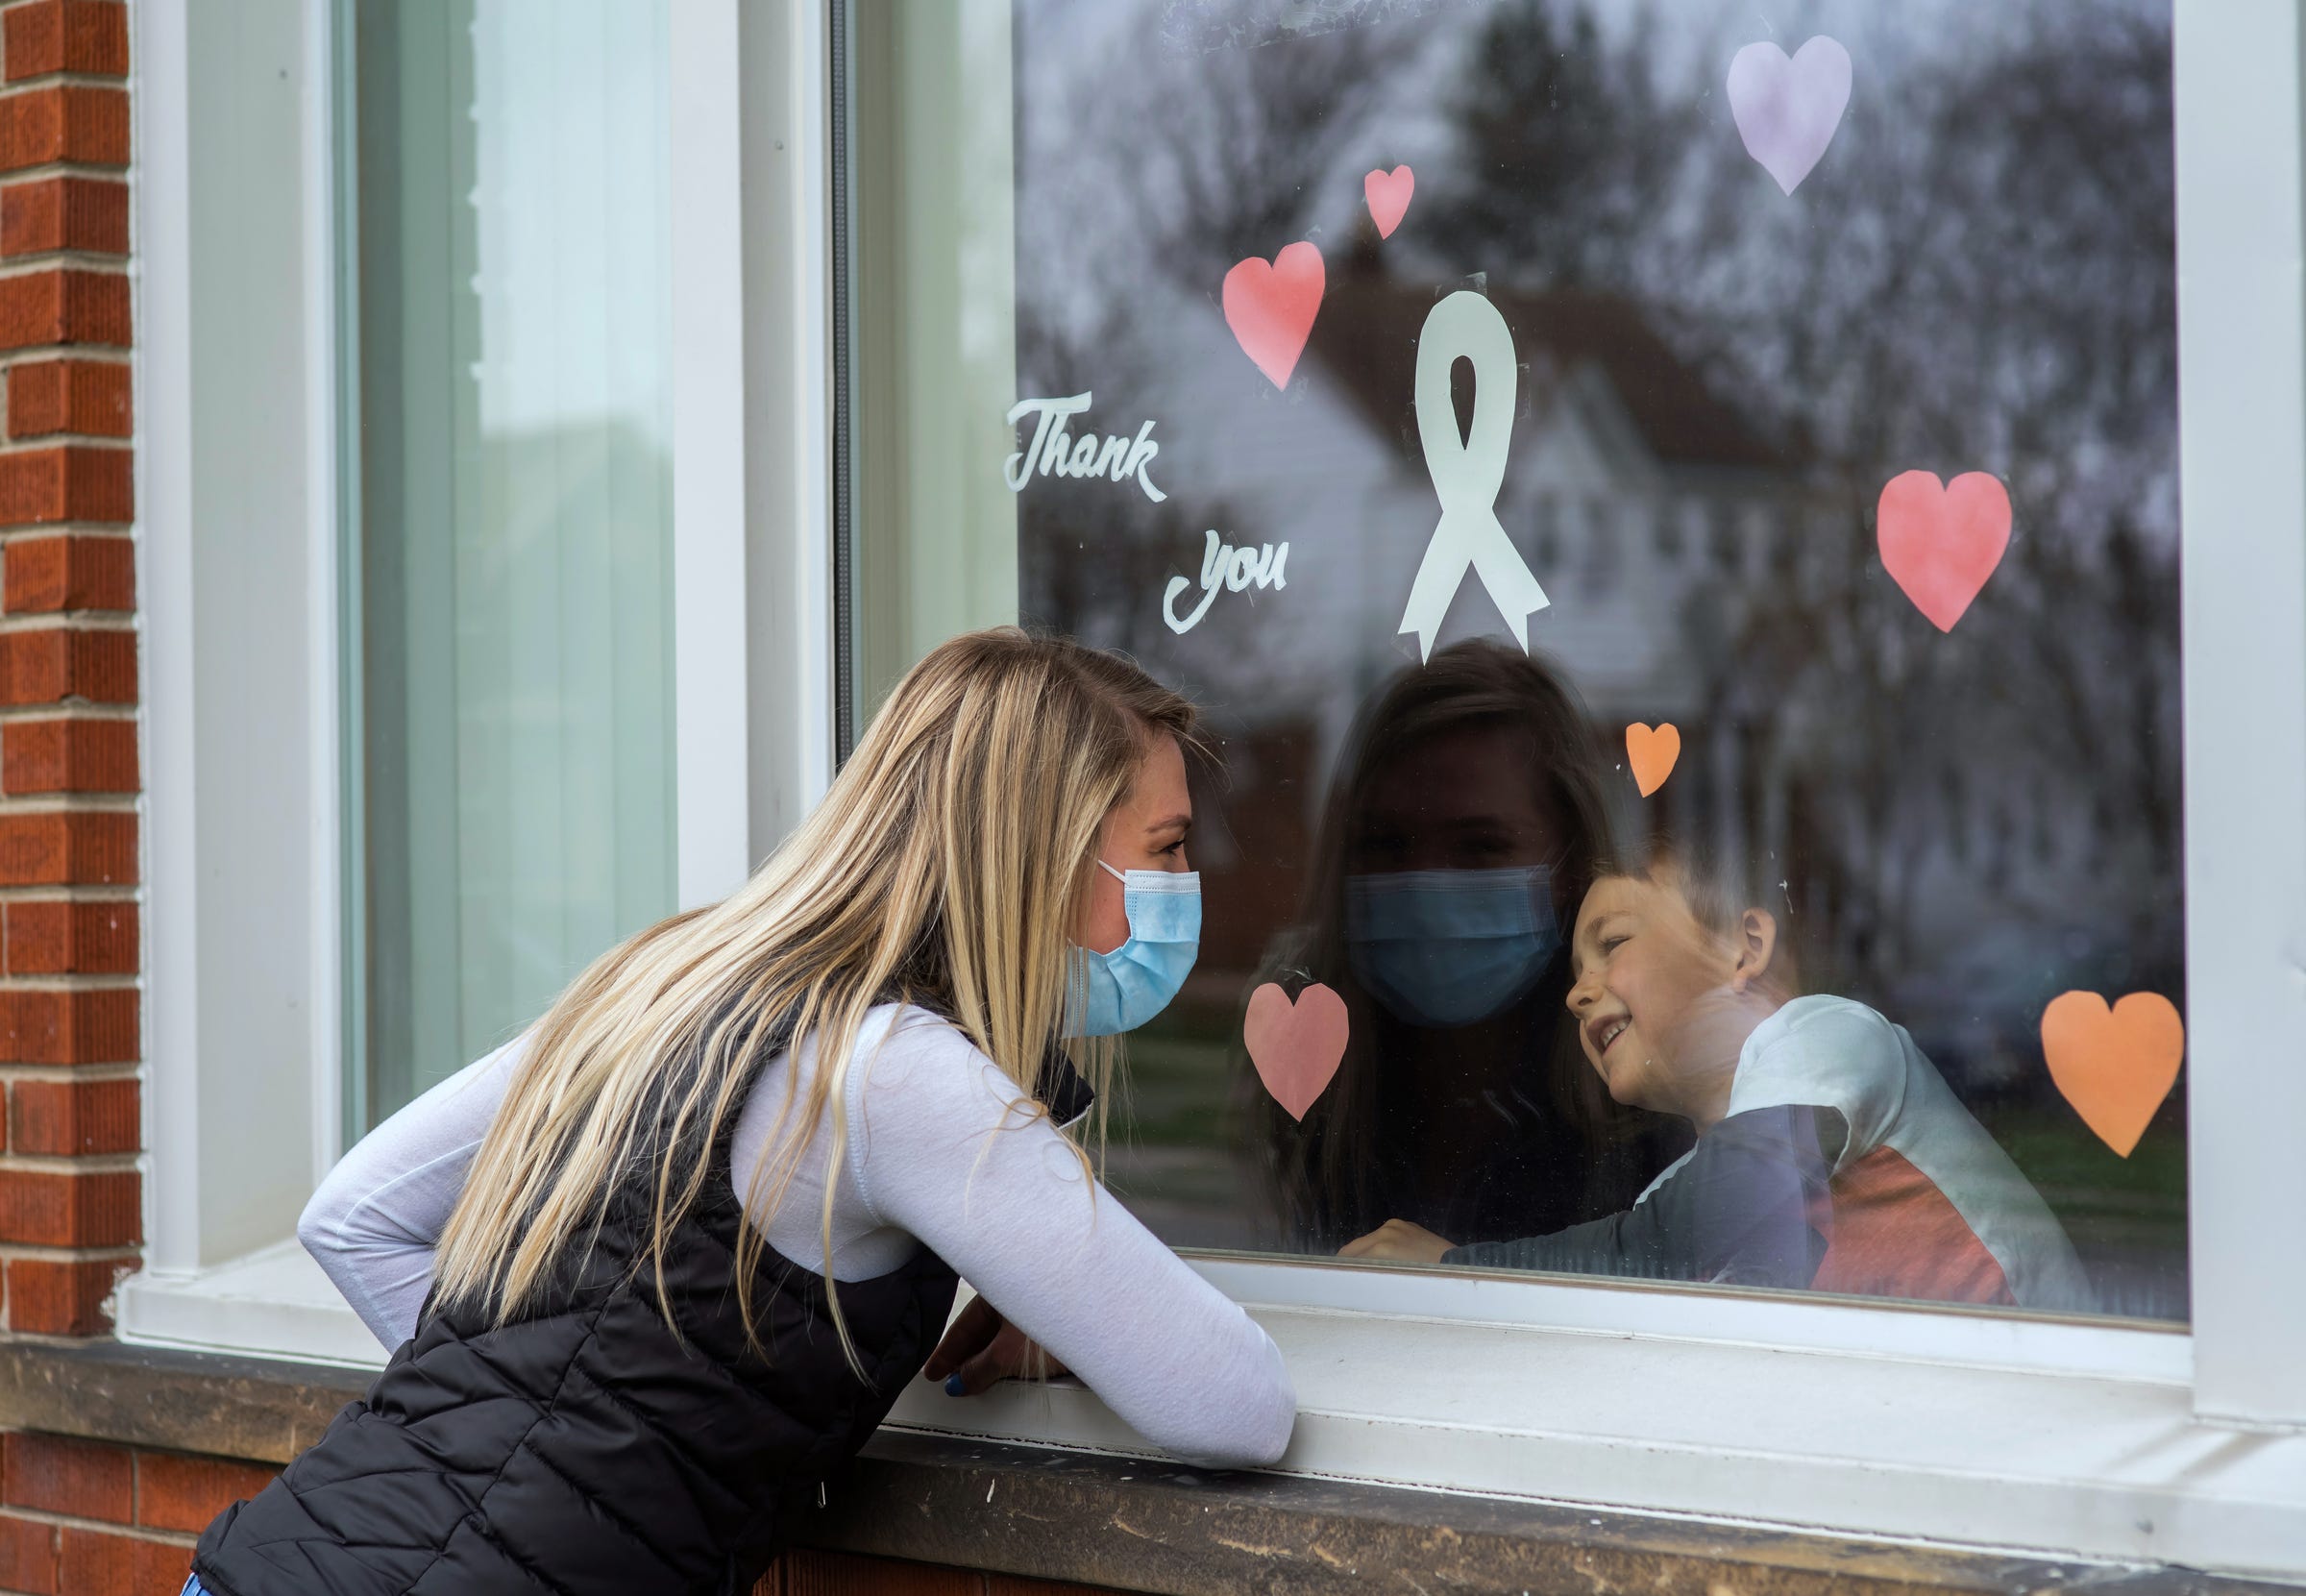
(1464, 826)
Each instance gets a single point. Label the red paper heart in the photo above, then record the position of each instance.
(1941, 542)
(1296, 1047)
(1388, 196)
(1270, 308)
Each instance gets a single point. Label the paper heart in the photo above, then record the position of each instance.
(2115, 1066)
(1941, 542)
(1295, 1046)
(1652, 753)
(1270, 308)
(1388, 196)
(1787, 111)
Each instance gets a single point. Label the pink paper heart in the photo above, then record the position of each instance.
(1270, 308)
(1940, 543)
(1787, 111)
(1296, 1047)
(1388, 196)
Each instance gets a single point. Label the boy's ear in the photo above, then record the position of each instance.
(1756, 940)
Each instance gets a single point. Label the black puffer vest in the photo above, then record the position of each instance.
(587, 1449)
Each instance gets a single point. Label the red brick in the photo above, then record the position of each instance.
(64, 305)
(69, 481)
(48, 937)
(65, 214)
(66, 1119)
(67, 35)
(834, 1574)
(176, 1492)
(94, 1564)
(26, 1555)
(57, 1474)
(72, 1027)
(71, 754)
(70, 396)
(79, 122)
(53, 1296)
(73, 571)
(50, 664)
(42, 1208)
(87, 850)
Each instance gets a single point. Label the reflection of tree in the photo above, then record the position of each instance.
(1565, 145)
(1979, 278)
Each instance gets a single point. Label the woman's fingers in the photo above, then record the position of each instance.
(1010, 1355)
(972, 1332)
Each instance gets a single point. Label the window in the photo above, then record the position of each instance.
(1702, 332)
(510, 642)
(449, 569)
(1232, 376)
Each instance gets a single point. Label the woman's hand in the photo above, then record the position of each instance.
(982, 1349)
(1398, 1239)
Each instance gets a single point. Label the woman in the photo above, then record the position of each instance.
(656, 1266)
(1463, 828)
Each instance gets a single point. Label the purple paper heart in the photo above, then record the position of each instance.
(1787, 111)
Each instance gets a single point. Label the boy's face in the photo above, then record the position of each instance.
(1648, 977)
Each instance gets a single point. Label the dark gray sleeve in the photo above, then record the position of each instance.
(1738, 1213)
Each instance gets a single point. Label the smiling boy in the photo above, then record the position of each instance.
(1830, 1153)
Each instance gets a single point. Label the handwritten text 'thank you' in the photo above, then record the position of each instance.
(1054, 451)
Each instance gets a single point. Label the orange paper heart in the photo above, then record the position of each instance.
(2115, 1066)
(1295, 1046)
(1651, 754)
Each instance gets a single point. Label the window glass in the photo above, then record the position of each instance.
(1672, 515)
(509, 647)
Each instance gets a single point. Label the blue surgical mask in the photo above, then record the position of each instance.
(1442, 947)
(1119, 991)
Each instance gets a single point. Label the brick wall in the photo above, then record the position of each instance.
(88, 1518)
(76, 1516)
(70, 1208)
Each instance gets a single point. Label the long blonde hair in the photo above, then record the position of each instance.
(945, 868)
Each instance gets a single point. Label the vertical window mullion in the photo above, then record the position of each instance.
(2243, 407)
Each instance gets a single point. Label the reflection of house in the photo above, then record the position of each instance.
(1632, 489)
(1645, 505)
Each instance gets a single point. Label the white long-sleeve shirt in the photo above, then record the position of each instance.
(941, 1154)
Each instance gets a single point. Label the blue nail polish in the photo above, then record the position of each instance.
(953, 1385)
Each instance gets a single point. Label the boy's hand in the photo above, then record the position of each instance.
(1398, 1239)
(982, 1349)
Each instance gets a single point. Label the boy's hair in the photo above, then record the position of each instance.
(1718, 893)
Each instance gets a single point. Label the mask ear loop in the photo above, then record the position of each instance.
(1115, 874)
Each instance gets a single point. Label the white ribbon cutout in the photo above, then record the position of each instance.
(1468, 471)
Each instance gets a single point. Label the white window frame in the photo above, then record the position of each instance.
(2099, 1439)
(2119, 1441)
(238, 264)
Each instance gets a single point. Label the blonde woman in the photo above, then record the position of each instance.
(658, 1264)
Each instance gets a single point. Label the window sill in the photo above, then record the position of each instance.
(272, 1303)
(2090, 1462)
(1110, 1522)
(2074, 1439)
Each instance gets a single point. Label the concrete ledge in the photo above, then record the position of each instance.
(1156, 1527)
(255, 1408)
(1097, 1520)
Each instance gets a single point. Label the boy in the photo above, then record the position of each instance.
(1830, 1153)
